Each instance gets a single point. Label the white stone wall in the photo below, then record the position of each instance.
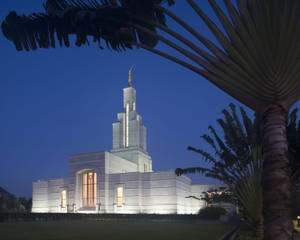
(143, 138)
(117, 135)
(160, 195)
(55, 186)
(183, 190)
(40, 196)
(129, 131)
(152, 192)
(116, 164)
(129, 96)
(93, 161)
(46, 195)
(136, 156)
(155, 192)
(149, 192)
(134, 130)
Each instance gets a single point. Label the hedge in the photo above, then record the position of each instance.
(19, 216)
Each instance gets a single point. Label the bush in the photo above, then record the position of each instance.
(41, 217)
(211, 213)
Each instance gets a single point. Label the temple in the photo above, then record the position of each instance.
(120, 180)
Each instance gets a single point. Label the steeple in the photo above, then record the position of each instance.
(129, 131)
(129, 134)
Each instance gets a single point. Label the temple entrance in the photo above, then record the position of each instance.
(89, 189)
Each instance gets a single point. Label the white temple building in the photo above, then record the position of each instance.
(120, 180)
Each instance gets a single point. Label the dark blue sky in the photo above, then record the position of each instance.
(58, 102)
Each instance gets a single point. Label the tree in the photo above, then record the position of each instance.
(217, 196)
(11, 203)
(255, 61)
(236, 154)
(237, 161)
(24, 203)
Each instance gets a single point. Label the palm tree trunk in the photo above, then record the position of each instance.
(276, 177)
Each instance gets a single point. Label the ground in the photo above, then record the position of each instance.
(113, 230)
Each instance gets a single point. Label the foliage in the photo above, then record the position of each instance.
(221, 195)
(232, 155)
(252, 62)
(237, 160)
(27, 203)
(10, 203)
(211, 213)
(48, 217)
(103, 20)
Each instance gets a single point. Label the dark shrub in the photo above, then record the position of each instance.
(211, 213)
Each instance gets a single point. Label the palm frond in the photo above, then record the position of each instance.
(40, 30)
(261, 37)
(107, 20)
(255, 60)
(180, 171)
(238, 161)
(206, 156)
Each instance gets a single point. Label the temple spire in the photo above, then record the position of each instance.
(129, 77)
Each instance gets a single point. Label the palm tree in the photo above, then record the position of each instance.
(237, 161)
(256, 62)
(241, 153)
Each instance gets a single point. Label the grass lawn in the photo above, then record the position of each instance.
(92, 230)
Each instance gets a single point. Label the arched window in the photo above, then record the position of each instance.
(63, 198)
(89, 189)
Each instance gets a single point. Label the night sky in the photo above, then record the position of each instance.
(57, 102)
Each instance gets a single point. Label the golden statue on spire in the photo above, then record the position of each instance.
(129, 78)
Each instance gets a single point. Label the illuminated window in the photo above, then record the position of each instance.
(63, 198)
(134, 107)
(119, 196)
(145, 167)
(89, 189)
